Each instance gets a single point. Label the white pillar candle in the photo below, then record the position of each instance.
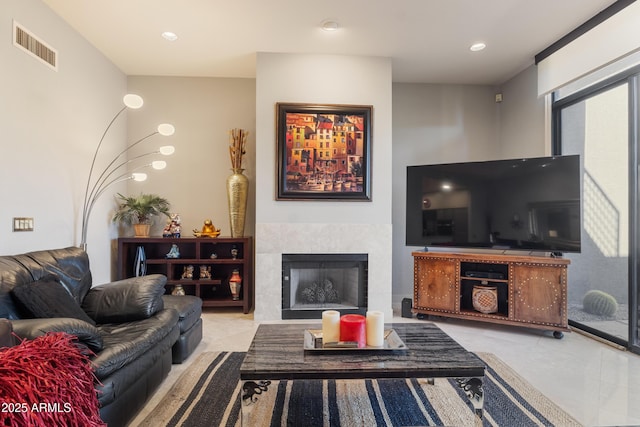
(375, 328)
(330, 326)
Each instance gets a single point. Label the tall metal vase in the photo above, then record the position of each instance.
(237, 190)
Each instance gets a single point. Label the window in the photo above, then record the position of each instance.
(600, 124)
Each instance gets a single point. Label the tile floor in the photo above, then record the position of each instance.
(596, 383)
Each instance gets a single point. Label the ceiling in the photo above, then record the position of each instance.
(427, 40)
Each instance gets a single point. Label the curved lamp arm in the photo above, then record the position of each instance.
(139, 177)
(164, 129)
(104, 176)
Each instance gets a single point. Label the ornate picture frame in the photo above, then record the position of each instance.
(324, 152)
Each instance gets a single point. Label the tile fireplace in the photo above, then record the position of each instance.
(273, 240)
(312, 283)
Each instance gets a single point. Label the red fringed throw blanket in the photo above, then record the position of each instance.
(47, 381)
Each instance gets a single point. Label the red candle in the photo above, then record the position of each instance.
(353, 327)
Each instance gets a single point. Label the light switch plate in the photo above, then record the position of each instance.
(22, 224)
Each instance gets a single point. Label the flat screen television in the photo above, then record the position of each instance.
(521, 204)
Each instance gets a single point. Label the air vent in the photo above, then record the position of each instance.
(35, 47)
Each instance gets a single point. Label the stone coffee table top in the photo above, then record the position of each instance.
(277, 353)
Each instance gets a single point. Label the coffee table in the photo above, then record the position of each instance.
(277, 353)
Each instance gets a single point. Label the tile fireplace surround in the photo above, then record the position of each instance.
(274, 239)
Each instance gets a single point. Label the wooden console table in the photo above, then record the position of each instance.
(531, 291)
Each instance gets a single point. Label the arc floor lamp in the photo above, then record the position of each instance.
(111, 174)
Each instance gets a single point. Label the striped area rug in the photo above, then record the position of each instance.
(207, 394)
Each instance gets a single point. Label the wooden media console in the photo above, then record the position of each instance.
(526, 290)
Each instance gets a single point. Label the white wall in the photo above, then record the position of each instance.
(434, 124)
(51, 123)
(521, 118)
(203, 111)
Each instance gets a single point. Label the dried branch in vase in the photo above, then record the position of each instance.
(238, 139)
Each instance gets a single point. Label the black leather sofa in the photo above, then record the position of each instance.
(125, 323)
(6, 331)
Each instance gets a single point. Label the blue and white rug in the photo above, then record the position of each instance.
(208, 394)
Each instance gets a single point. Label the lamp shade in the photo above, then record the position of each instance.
(139, 176)
(166, 129)
(167, 150)
(158, 164)
(133, 101)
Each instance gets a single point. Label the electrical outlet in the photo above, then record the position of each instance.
(22, 224)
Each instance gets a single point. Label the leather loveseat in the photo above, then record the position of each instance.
(124, 323)
(6, 331)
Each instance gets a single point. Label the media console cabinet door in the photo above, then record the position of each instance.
(540, 294)
(436, 284)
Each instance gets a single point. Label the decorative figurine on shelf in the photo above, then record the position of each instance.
(187, 272)
(174, 252)
(234, 253)
(166, 231)
(235, 284)
(205, 272)
(178, 290)
(173, 228)
(208, 230)
(213, 255)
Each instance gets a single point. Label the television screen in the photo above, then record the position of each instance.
(522, 204)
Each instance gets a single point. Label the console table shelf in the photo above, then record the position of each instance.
(195, 252)
(530, 291)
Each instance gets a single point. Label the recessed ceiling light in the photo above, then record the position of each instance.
(168, 35)
(477, 47)
(330, 25)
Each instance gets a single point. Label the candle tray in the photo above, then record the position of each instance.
(313, 343)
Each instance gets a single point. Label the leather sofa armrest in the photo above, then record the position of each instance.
(6, 333)
(126, 300)
(85, 332)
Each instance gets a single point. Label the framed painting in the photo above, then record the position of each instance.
(324, 152)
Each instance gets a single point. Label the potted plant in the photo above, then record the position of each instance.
(138, 210)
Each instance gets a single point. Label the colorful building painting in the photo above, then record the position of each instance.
(324, 151)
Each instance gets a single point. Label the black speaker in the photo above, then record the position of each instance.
(407, 305)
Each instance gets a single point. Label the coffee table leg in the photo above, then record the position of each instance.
(249, 398)
(474, 391)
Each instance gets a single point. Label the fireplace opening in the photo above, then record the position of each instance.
(312, 283)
